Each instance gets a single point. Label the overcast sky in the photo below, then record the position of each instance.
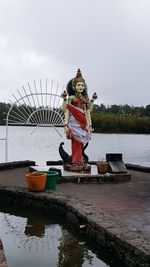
(109, 40)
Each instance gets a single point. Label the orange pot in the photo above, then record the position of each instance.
(102, 167)
(36, 181)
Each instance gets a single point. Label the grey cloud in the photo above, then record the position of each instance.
(108, 40)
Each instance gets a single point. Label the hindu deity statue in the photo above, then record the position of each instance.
(77, 123)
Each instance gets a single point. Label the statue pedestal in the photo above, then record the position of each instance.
(77, 168)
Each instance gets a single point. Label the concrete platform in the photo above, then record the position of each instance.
(92, 177)
(119, 211)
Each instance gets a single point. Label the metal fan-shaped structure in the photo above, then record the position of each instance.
(37, 104)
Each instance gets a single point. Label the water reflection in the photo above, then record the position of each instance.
(71, 252)
(35, 227)
(31, 240)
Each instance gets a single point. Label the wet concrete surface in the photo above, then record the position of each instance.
(128, 203)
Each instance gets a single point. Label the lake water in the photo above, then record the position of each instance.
(38, 239)
(41, 144)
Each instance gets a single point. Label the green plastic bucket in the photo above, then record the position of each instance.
(51, 180)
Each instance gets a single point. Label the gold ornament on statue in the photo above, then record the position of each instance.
(77, 79)
(64, 95)
(94, 96)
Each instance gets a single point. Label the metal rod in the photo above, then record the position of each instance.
(22, 98)
(57, 119)
(16, 122)
(42, 100)
(55, 98)
(16, 117)
(60, 121)
(57, 131)
(28, 98)
(53, 105)
(57, 112)
(51, 92)
(51, 115)
(37, 101)
(50, 100)
(18, 108)
(60, 95)
(34, 129)
(56, 94)
(32, 95)
(46, 100)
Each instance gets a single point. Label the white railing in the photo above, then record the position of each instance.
(36, 105)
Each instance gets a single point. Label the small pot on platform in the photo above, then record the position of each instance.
(102, 167)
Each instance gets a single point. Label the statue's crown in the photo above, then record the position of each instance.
(78, 78)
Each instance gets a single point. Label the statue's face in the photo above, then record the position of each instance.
(80, 86)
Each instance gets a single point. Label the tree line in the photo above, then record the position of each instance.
(110, 119)
(121, 119)
(124, 110)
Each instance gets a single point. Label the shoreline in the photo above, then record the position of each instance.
(26, 163)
